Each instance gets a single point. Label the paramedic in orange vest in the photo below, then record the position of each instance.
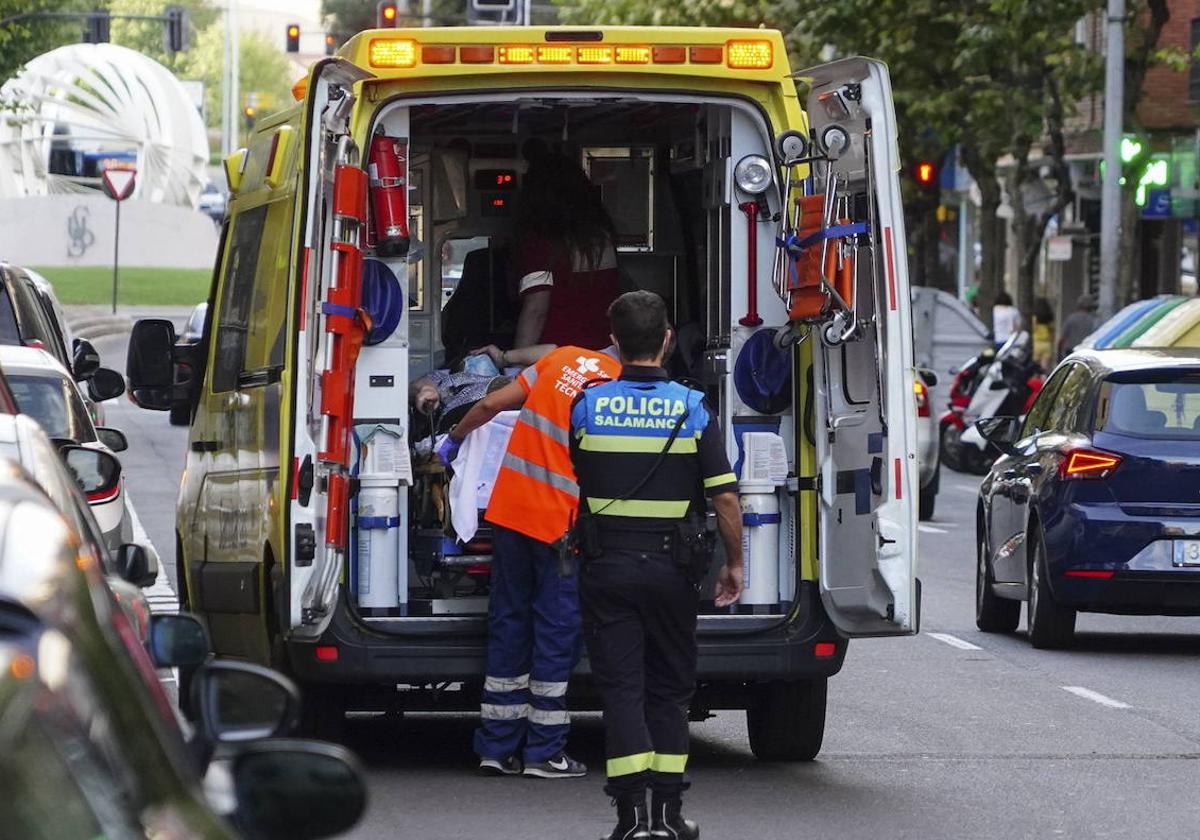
(533, 617)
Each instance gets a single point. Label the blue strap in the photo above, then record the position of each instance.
(338, 309)
(375, 523)
(835, 232)
(753, 520)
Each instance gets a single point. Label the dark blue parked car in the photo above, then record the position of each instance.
(1094, 504)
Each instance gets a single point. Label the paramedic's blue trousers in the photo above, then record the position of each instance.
(533, 643)
(639, 616)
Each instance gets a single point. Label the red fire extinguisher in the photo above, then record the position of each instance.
(388, 171)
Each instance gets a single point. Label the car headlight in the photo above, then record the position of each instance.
(753, 174)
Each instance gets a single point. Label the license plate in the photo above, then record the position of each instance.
(1187, 552)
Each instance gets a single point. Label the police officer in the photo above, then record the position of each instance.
(646, 452)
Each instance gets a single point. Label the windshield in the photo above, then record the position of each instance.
(1159, 408)
(54, 403)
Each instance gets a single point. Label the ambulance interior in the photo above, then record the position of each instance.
(665, 169)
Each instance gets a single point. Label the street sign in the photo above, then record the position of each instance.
(1058, 249)
(1158, 204)
(118, 183)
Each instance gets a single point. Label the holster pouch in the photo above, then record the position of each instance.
(580, 544)
(693, 547)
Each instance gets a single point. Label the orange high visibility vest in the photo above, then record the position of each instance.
(535, 491)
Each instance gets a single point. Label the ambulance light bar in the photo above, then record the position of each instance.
(736, 54)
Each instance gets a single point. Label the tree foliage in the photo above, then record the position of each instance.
(147, 36)
(27, 39)
(262, 68)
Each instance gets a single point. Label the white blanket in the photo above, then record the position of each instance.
(475, 471)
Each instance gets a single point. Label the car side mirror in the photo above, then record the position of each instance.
(105, 384)
(289, 789)
(98, 473)
(239, 702)
(85, 361)
(114, 439)
(1001, 432)
(133, 565)
(177, 641)
(150, 363)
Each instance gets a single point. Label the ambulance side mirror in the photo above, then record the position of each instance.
(150, 363)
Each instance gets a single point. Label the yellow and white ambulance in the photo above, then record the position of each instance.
(315, 529)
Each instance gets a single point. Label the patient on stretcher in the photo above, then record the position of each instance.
(447, 396)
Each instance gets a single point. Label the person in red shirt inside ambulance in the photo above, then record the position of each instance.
(566, 262)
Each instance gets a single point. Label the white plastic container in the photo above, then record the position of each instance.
(760, 543)
(378, 543)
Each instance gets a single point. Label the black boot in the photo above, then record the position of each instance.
(666, 821)
(632, 823)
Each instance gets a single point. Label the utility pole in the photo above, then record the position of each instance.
(1110, 194)
(231, 111)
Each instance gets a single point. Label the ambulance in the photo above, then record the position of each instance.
(372, 225)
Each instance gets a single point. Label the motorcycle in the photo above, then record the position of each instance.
(951, 425)
(1005, 385)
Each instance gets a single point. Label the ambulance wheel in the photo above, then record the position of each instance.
(180, 415)
(322, 711)
(786, 720)
(928, 497)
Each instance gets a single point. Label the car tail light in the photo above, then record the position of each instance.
(824, 650)
(1089, 463)
(1098, 574)
(922, 399)
(327, 653)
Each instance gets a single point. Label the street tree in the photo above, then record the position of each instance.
(263, 69)
(25, 39)
(146, 36)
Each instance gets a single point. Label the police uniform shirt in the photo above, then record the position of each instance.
(619, 429)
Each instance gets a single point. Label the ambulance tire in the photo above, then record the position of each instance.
(786, 720)
(184, 685)
(322, 712)
(180, 415)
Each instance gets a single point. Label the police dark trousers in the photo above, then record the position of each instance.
(639, 620)
(638, 484)
(533, 618)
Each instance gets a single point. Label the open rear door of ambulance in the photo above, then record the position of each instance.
(331, 222)
(864, 408)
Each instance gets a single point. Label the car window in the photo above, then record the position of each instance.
(9, 332)
(1069, 402)
(1036, 419)
(53, 401)
(37, 329)
(1165, 408)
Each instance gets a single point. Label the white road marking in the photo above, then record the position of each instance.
(160, 595)
(953, 641)
(1095, 697)
(932, 529)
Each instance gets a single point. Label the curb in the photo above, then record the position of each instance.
(101, 326)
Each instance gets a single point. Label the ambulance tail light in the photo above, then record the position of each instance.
(437, 55)
(595, 55)
(749, 55)
(392, 52)
(517, 54)
(632, 55)
(669, 55)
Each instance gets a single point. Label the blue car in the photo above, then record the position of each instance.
(1094, 504)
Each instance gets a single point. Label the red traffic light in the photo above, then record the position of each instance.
(925, 173)
(386, 14)
(293, 37)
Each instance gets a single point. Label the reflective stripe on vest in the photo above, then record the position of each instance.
(540, 473)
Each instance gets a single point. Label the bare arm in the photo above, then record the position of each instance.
(729, 525)
(523, 356)
(507, 398)
(532, 320)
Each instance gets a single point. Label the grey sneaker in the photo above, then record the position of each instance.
(508, 766)
(562, 766)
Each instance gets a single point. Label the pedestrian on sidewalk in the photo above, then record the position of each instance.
(533, 609)
(647, 451)
(1006, 318)
(1078, 325)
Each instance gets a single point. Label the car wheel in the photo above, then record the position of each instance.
(976, 462)
(786, 720)
(993, 614)
(950, 447)
(928, 498)
(1050, 624)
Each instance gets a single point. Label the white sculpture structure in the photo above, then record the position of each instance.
(88, 101)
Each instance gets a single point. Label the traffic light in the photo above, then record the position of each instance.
(330, 44)
(176, 37)
(925, 174)
(249, 112)
(95, 27)
(385, 14)
(293, 37)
